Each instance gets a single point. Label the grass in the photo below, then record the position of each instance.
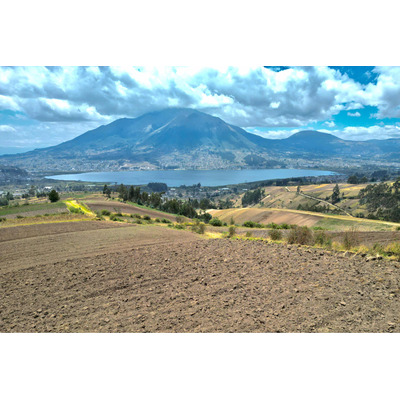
(8, 210)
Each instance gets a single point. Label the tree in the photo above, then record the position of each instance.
(54, 196)
(335, 194)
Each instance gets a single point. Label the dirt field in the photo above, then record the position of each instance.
(155, 279)
(52, 243)
(116, 206)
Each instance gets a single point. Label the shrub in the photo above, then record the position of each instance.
(284, 226)
(157, 220)
(275, 234)
(377, 248)
(272, 225)
(138, 216)
(179, 226)
(249, 234)
(138, 221)
(73, 210)
(398, 228)
(393, 249)
(146, 217)
(249, 224)
(232, 231)
(20, 216)
(114, 217)
(322, 239)
(165, 221)
(118, 214)
(350, 239)
(215, 222)
(179, 219)
(199, 227)
(105, 212)
(2, 219)
(232, 221)
(300, 235)
(317, 228)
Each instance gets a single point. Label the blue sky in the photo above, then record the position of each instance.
(43, 106)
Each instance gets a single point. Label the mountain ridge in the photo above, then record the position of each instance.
(188, 137)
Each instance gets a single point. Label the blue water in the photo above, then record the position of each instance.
(175, 178)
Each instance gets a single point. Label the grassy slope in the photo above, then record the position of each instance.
(30, 207)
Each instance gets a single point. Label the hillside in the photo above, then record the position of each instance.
(186, 138)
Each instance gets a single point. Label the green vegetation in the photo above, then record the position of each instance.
(105, 212)
(232, 231)
(54, 196)
(215, 222)
(301, 235)
(275, 234)
(252, 197)
(29, 207)
(383, 199)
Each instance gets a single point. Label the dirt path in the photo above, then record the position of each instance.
(203, 286)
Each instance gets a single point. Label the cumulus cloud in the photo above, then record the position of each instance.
(355, 114)
(256, 97)
(367, 133)
(242, 96)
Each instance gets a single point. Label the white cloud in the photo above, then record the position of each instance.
(367, 133)
(355, 114)
(6, 128)
(290, 98)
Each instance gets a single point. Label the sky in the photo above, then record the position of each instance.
(44, 106)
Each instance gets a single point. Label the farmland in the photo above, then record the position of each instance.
(85, 272)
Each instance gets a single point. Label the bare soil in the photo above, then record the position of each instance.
(155, 279)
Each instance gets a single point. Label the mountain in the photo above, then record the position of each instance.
(187, 138)
(162, 131)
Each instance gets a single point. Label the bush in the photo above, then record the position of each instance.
(275, 234)
(2, 219)
(165, 221)
(232, 221)
(138, 221)
(179, 226)
(118, 214)
(249, 224)
(322, 239)
(199, 227)
(20, 216)
(137, 216)
(301, 235)
(232, 231)
(215, 222)
(179, 219)
(350, 239)
(105, 212)
(393, 249)
(146, 217)
(249, 234)
(157, 220)
(398, 228)
(114, 217)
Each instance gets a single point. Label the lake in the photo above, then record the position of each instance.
(175, 178)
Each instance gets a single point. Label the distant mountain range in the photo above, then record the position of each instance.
(188, 138)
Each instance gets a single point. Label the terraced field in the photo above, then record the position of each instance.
(302, 218)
